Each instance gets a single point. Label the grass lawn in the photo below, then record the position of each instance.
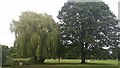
(74, 63)
(119, 64)
(77, 61)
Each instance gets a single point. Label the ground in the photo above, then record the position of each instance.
(74, 63)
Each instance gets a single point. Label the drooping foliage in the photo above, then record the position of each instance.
(35, 36)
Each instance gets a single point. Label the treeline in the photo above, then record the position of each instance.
(87, 30)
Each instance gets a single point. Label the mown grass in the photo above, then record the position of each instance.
(77, 61)
(119, 63)
(73, 63)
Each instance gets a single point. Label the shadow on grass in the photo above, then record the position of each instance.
(72, 65)
(119, 63)
(68, 65)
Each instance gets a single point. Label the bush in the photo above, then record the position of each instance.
(25, 61)
(15, 62)
(9, 62)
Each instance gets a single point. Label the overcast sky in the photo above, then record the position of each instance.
(11, 9)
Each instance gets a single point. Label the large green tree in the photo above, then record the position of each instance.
(88, 25)
(36, 35)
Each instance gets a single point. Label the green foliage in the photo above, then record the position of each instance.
(10, 61)
(5, 53)
(25, 61)
(13, 52)
(36, 35)
(8, 55)
(88, 25)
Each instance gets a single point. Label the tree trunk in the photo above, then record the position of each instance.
(35, 60)
(83, 54)
(41, 60)
(59, 60)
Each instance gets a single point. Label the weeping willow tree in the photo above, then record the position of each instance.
(36, 36)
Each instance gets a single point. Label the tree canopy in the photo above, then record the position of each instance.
(35, 36)
(88, 25)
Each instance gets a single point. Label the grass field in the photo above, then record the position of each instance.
(74, 63)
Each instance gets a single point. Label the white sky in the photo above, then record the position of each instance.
(11, 9)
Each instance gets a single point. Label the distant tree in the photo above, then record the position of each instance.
(5, 53)
(88, 25)
(13, 52)
(36, 35)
